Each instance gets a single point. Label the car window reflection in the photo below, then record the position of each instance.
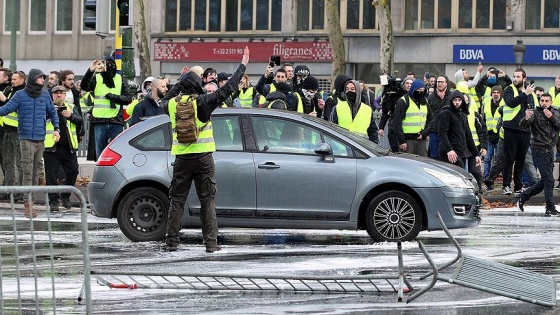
(227, 134)
(277, 135)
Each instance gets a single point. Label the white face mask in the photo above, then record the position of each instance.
(308, 94)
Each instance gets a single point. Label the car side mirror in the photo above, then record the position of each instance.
(325, 150)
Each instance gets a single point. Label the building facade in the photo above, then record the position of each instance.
(435, 36)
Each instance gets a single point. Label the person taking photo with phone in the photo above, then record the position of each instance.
(110, 93)
(518, 98)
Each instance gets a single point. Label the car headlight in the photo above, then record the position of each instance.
(450, 180)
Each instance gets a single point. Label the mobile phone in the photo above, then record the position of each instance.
(101, 66)
(274, 61)
(532, 82)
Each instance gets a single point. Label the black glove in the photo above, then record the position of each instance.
(109, 96)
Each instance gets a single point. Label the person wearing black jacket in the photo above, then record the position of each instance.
(194, 161)
(518, 98)
(544, 122)
(150, 106)
(454, 133)
(436, 100)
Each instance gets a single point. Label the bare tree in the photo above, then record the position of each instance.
(141, 39)
(386, 36)
(335, 38)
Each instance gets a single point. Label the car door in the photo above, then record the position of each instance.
(234, 169)
(293, 182)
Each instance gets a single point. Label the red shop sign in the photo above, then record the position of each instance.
(233, 51)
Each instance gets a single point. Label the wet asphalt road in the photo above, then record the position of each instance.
(528, 240)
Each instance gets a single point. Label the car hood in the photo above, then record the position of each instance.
(434, 163)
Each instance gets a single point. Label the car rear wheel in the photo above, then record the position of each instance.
(393, 216)
(142, 214)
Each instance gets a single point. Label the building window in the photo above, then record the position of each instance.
(310, 15)
(64, 15)
(482, 14)
(360, 15)
(542, 14)
(8, 14)
(87, 13)
(37, 16)
(235, 15)
(427, 14)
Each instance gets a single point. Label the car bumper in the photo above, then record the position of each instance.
(459, 207)
(102, 195)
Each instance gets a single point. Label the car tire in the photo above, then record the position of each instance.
(393, 216)
(142, 214)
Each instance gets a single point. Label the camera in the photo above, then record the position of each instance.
(391, 85)
(274, 61)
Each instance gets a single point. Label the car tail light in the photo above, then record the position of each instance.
(108, 158)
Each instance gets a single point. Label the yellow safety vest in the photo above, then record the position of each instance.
(130, 108)
(471, 118)
(361, 121)
(474, 98)
(299, 103)
(246, 97)
(487, 94)
(101, 105)
(555, 98)
(510, 113)
(262, 98)
(85, 100)
(204, 143)
(492, 120)
(49, 128)
(416, 117)
(10, 119)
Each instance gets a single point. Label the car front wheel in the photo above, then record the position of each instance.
(142, 214)
(393, 216)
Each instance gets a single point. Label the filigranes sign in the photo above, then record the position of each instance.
(260, 52)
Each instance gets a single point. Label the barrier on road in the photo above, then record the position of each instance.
(30, 264)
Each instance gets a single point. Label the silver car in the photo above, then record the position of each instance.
(281, 169)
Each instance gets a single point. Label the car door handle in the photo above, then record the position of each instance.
(268, 165)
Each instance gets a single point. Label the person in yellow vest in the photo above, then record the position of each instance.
(245, 95)
(455, 137)
(412, 119)
(308, 98)
(34, 106)
(62, 153)
(555, 92)
(518, 97)
(353, 115)
(267, 83)
(111, 93)
(463, 75)
(477, 127)
(11, 152)
(492, 116)
(194, 161)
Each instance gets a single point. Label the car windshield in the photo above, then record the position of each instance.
(365, 142)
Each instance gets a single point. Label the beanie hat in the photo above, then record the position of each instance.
(498, 88)
(222, 76)
(416, 84)
(310, 83)
(340, 82)
(283, 87)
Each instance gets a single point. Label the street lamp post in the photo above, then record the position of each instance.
(519, 52)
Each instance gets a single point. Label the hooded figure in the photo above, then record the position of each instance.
(300, 73)
(31, 87)
(454, 134)
(354, 115)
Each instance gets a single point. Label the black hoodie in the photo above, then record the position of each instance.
(453, 130)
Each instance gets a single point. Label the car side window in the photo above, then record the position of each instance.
(277, 135)
(339, 148)
(227, 134)
(157, 139)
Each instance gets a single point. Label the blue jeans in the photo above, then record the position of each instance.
(434, 146)
(488, 159)
(105, 133)
(545, 163)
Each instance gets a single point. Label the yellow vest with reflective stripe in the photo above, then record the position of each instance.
(415, 119)
(487, 94)
(246, 98)
(130, 108)
(471, 119)
(49, 128)
(10, 119)
(101, 105)
(510, 113)
(492, 120)
(555, 98)
(361, 121)
(85, 100)
(474, 100)
(262, 98)
(299, 103)
(204, 143)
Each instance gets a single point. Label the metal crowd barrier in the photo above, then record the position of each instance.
(29, 261)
